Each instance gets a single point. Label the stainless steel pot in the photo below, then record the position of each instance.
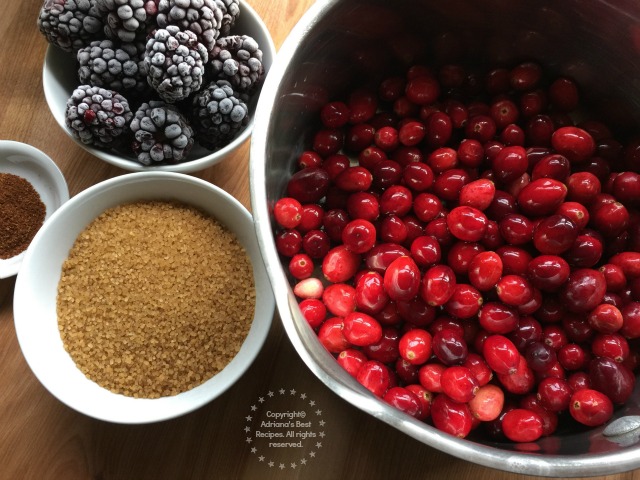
(343, 42)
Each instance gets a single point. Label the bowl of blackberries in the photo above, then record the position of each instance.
(163, 84)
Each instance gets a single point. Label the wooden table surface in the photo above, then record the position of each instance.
(40, 438)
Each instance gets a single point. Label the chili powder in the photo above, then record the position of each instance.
(21, 214)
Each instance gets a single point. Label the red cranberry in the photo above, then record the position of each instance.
(509, 164)
(422, 90)
(574, 143)
(500, 354)
(404, 400)
(485, 269)
(554, 235)
(590, 407)
(415, 346)
(402, 279)
(554, 394)
(548, 272)
(361, 329)
(553, 166)
(308, 185)
(335, 114)
(374, 376)
(331, 336)
(340, 264)
(450, 416)
(541, 197)
(613, 379)
(314, 311)
(449, 347)
(351, 360)
(481, 128)
(584, 290)
(496, 317)
(459, 383)
(563, 94)
(384, 350)
(467, 223)
(521, 425)
(525, 76)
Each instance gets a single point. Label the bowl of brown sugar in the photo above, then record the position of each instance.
(32, 187)
(143, 298)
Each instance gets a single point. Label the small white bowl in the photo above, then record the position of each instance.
(60, 78)
(40, 171)
(37, 285)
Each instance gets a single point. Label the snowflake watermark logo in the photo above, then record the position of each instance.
(282, 422)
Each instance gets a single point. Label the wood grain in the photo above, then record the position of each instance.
(42, 439)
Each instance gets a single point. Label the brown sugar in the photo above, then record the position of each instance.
(21, 214)
(154, 299)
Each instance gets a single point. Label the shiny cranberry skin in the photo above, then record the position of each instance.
(563, 94)
(554, 235)
(459, 383)
(519, 382)
(479, 368)
(467, 223)
(502, 205)
(516, 229)
(363, 205)
(470, 153)
(585, 252)
(606, 318)
(309, 158)
(402, 279)
(522, 425)
(496, 317)
(415, 346)
(370, 157)
(328, 141)
(540, 356)
(576, 212)
(481, 128)
(548, 272)
(579, 381)
(392, 229)
(590, 407)
(331, 336)
(525, 76)
(374, 376)
(477, 194)
(354, 179)
(554, 394)
(553, 166)
(335, 114)
(381, 256)
(438, 285)
(438, 129)
(610, 219)
(485, 269)
(308, 185)
(610, 345)
(449, 347)
(430, 376)
(340, 264)
(351, 360)
(510, 163)
(339, 298)
(613, 379)
(404, 400)
(528, 330)
(425, 397)
(386, 349)
(301, 266)
(427, 206)
(425, 251)
(572, 357)
(386, 174)
(574, 143)
(631, 320)
(418, 176)
(514, 290)
(386, 138)
(396, 200)
(515, 260)
(314, 311)
(500, 354)
(614, 276)
(583, 187)
(465, 301)
(288, 242)
(541, 197)
(359, 137)
(538, 129)
(359, 236)
(626, 186)
(584, 290)
(442, 159)
(629, 262)
(361, 329)
(450, 416)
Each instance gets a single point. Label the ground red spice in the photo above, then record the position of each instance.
(21, 214)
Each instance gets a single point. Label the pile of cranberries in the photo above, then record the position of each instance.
(468, 248)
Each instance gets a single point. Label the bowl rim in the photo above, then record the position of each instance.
(54, 179)
(195, 165)
(324, 366)
(123, 409)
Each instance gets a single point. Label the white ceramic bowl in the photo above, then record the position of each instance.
(41, 171)
(59, 79)
(37, 283)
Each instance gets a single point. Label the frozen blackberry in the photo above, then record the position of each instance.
(97, 116)
(219, 113)
(230, 13)
(237, 59)
(161, 134)
(70, 24)
(116, 67)
(174, 61)
(202, 17)
(128, 20)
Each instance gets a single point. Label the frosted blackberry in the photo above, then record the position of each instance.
(70, 24)
(97, 116)
(174, 61)
(202, 17)
(120, 68)
(128, 20)
(219, 113)
(230, 13)
(161, 134)
(237, 59)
